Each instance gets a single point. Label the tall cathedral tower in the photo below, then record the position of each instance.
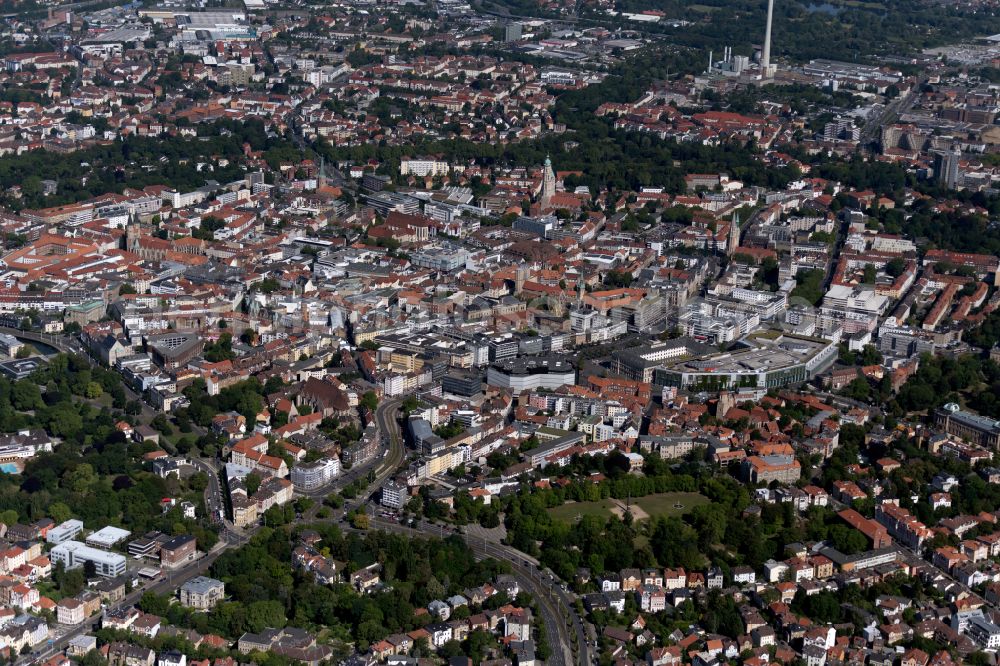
(133, 232)
(548, 185)
(733, 241)
(520, 277)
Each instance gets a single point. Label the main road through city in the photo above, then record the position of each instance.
(555, 606)
(558, 613)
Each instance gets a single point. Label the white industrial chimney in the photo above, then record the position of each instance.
(765, 60)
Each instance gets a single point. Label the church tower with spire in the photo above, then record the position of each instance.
(133, 232)
(733, 241)
(548, 185)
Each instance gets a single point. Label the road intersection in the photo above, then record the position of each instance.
(566, 631)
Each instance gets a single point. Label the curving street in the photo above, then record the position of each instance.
(566, 632)
(556, 616)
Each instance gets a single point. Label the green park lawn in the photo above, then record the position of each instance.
(663, 504)
(571, 511)
(660, 504)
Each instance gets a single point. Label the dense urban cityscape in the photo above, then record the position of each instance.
(501, 332)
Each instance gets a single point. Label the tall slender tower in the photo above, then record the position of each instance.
(521, 275)
(733, 241)
(548, 184)
(765, 59)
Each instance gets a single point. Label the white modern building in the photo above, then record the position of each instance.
(63, 532)
(73, 554)
(9, 345)
(985, 633)
(310, 476)
(530, 373)
(855, 300)
(422, 166)
(395, 495)
(107, 537)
